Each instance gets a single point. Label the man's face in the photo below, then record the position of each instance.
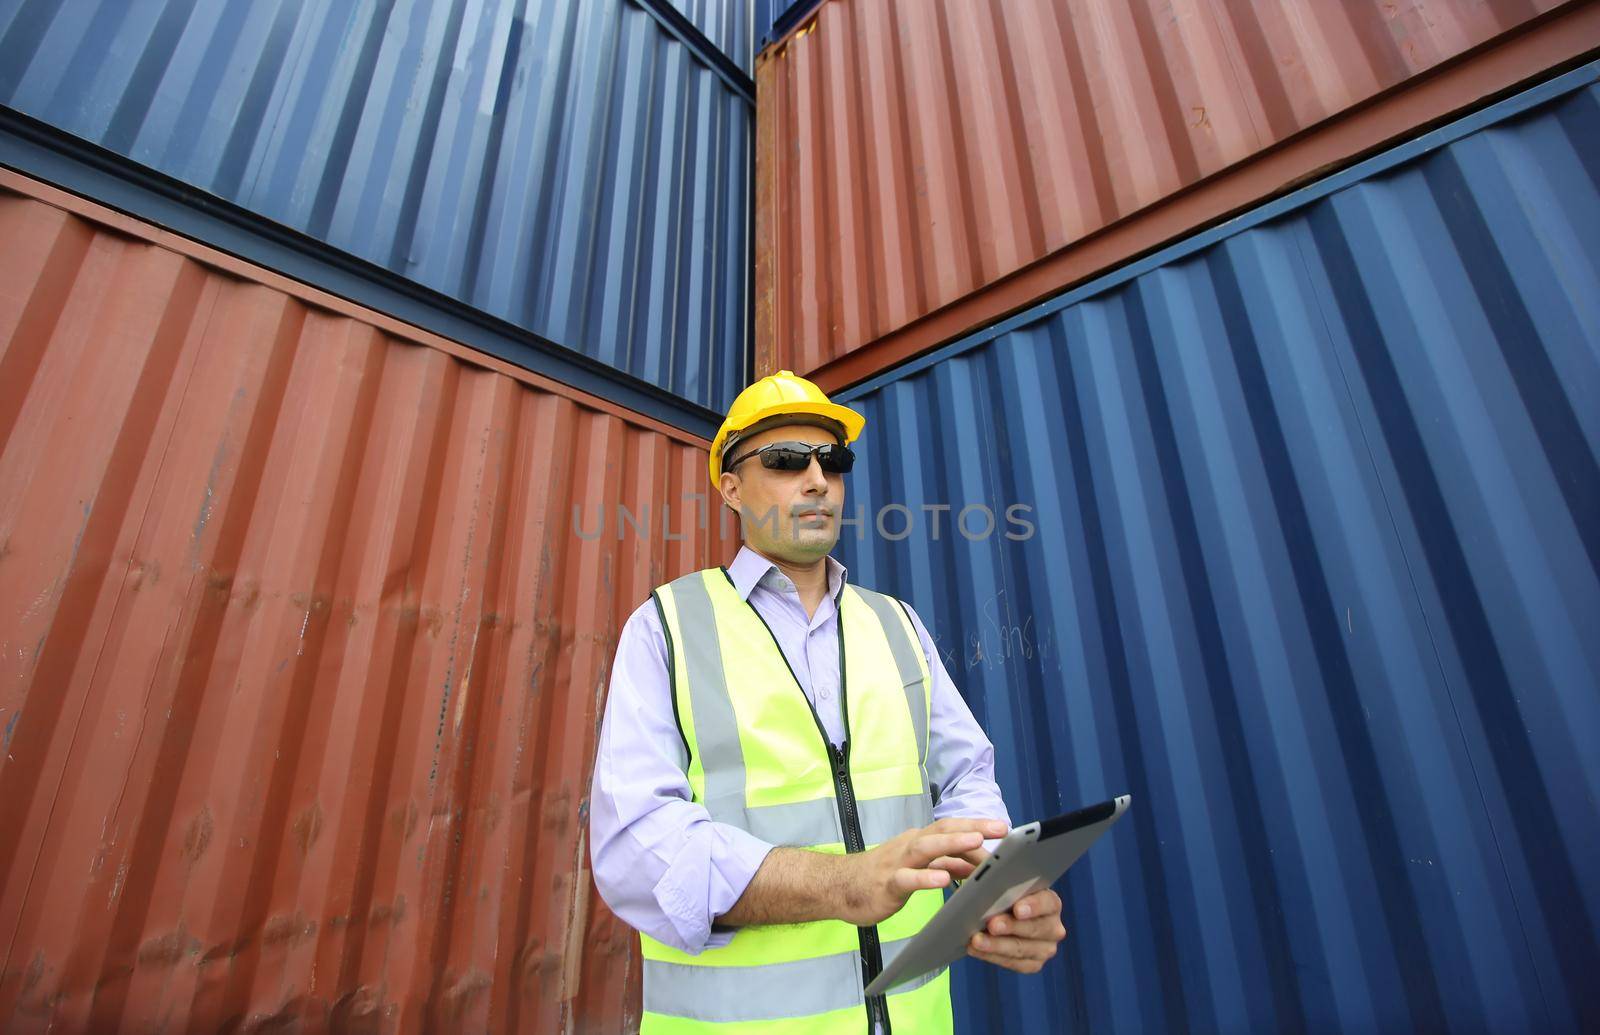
(789, 514)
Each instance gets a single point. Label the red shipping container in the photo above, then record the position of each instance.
(305, 624)
(925, 168)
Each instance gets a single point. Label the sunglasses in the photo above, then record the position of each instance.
(832, 457)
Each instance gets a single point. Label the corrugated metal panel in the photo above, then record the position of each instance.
(726, 23)
(568, 166)
(920, 153)
(304, 630)
(1314, 573)
(774, 18)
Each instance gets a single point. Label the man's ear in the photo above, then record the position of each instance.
(728, 486)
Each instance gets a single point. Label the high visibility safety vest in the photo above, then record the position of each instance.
(759, 760)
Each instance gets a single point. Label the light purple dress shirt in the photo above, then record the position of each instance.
(660, 862)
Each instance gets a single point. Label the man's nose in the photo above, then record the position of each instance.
(815, 479)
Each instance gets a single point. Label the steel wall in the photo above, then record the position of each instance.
(725, 23)
(912, 155)
(569, 166)
(774, 18)
(1314, 574)
(305, 622)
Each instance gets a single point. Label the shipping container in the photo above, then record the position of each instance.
(924, 169)
(726, 25)
(775, 18)
(1292, 532)
(305, 623)
(570, 166)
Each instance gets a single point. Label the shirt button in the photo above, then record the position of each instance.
(823, 693)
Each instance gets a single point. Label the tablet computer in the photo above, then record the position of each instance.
(1027, 859)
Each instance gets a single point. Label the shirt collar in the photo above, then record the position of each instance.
(749, 568)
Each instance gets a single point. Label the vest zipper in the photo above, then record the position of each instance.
(871, 948)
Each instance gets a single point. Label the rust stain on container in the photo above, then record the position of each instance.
(915, 159)
(305, 623)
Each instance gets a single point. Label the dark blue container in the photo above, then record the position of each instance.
(1307, 560)
(570, 166)
(725, 23)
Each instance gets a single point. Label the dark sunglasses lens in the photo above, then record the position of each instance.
(836, 459)
(785, 459)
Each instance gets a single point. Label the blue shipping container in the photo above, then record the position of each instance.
(1310, 566)
(725, 23)
(567, 165)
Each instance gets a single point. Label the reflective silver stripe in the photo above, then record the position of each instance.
(765, 993)
(883, 818)
(905, 649)
(817, 822)
(801, 823)
(772, 992)
(716, 728)
(890, 951)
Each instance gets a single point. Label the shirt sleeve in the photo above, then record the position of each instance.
(660, 862)
(960, 756)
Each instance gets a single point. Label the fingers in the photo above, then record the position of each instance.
(957, 867)
(1020, 966)
(1012, 948)
(976, 856)
(1043, 902)
(1022, 945)
(928, 847)
(1044, 928)
(986, 827)
(907, 879)
(1024, 956)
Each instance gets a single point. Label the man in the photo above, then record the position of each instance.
(786, 775)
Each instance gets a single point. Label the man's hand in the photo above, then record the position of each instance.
(881, 879)
(1023, 938)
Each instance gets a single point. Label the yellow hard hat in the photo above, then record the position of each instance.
(776, 394)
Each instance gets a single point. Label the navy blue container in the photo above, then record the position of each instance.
(570, 166)
(1307, 560)
(725, 23)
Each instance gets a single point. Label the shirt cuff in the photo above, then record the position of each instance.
(693, 896)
